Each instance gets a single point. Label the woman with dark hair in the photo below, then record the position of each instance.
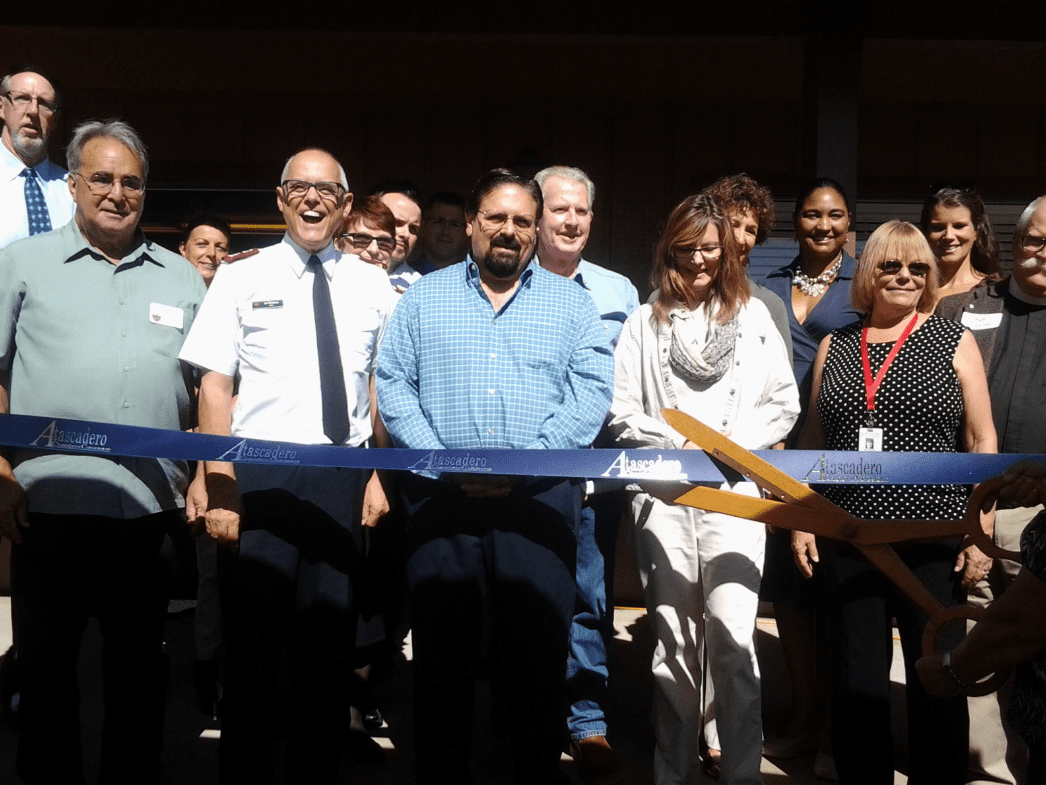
(704, 347)
(750, 208)
(816, 290)
(959, 231)
(370, 232)
(901, 380)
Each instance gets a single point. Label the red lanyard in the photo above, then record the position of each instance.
(871, 386)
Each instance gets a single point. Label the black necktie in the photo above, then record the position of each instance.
(332, 377)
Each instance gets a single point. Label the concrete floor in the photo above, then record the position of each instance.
(190, 749)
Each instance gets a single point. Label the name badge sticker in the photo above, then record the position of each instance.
(981, 321)
(266, 304)
(166, 315)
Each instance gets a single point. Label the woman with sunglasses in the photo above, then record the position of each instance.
(898, 380)
(705, 347)
(956, 224)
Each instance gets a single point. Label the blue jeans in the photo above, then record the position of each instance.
(592, 625)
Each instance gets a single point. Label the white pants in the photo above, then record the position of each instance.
(701, 574)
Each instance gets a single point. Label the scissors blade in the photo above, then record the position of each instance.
(763, 474)
(784, 515)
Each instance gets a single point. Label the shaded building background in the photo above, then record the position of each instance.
(653, 104)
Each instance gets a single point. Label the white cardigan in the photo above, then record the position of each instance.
(755, 402)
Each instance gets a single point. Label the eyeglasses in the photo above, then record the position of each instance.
(21, 102)
(915, 269)
(101, 183)
(493, 220)
(328, 191)
(1032, 243)
(709, 253)
(361, 241)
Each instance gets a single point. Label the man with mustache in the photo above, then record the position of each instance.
(493, 353)
(563, 232)
(34, 197)
(1008, 319)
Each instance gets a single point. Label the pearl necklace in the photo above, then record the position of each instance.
(815, 287)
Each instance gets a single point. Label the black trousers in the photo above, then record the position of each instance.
(520, 553)
(67, 568)
(287, 599)
(861, 602)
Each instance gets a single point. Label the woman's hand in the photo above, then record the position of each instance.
(804, 549)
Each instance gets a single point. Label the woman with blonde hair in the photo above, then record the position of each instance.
(898, 380)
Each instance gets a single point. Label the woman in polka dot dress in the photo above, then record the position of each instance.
(899, 380)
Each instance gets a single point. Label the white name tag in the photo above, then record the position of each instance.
(870, 440)
(981, 321)
(167, 315)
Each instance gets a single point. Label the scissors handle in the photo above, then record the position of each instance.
(941, 619)
(987, 491)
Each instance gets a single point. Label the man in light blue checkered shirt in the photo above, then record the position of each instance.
(493, 352)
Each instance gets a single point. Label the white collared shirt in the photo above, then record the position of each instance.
(14, 222)
(257, 320)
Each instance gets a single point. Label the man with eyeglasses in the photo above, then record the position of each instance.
(34, 197)
(300, 326)
(94, 317)
(442, 236)
(563, 232)
(1008, 319)
(493, 353)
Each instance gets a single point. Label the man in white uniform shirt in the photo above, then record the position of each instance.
(34, 197)
(292, 531)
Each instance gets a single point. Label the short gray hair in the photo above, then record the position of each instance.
(1021, 227)
(341, 170)
(568, 173)
(105, 129)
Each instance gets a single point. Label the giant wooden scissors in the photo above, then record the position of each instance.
(797, 507)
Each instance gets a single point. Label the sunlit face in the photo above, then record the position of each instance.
(408, 223)
(746, 229)
(951, 234)
(1029, 269)
(565, 221)
(312, 219)
(698, 269)
(372, 253)
(205, 247)
(114, 214)
(822, 225)
(27, 125)
(443, 237)
(900, 289)
(503, 252)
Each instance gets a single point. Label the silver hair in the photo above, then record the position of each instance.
(108, 129)
(1021, 227)
(341, 170)
(568, 173)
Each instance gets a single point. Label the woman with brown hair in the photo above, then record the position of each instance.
(956, 224)
(703, 347)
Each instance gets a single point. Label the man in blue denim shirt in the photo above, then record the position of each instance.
(492, 353)
(563, 232)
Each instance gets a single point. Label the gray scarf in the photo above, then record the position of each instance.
(701, 348)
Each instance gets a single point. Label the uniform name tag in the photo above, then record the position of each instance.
(166, 315)
(870, 439)
(981, 321)
(266, 304)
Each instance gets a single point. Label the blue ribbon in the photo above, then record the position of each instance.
(883, 468)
